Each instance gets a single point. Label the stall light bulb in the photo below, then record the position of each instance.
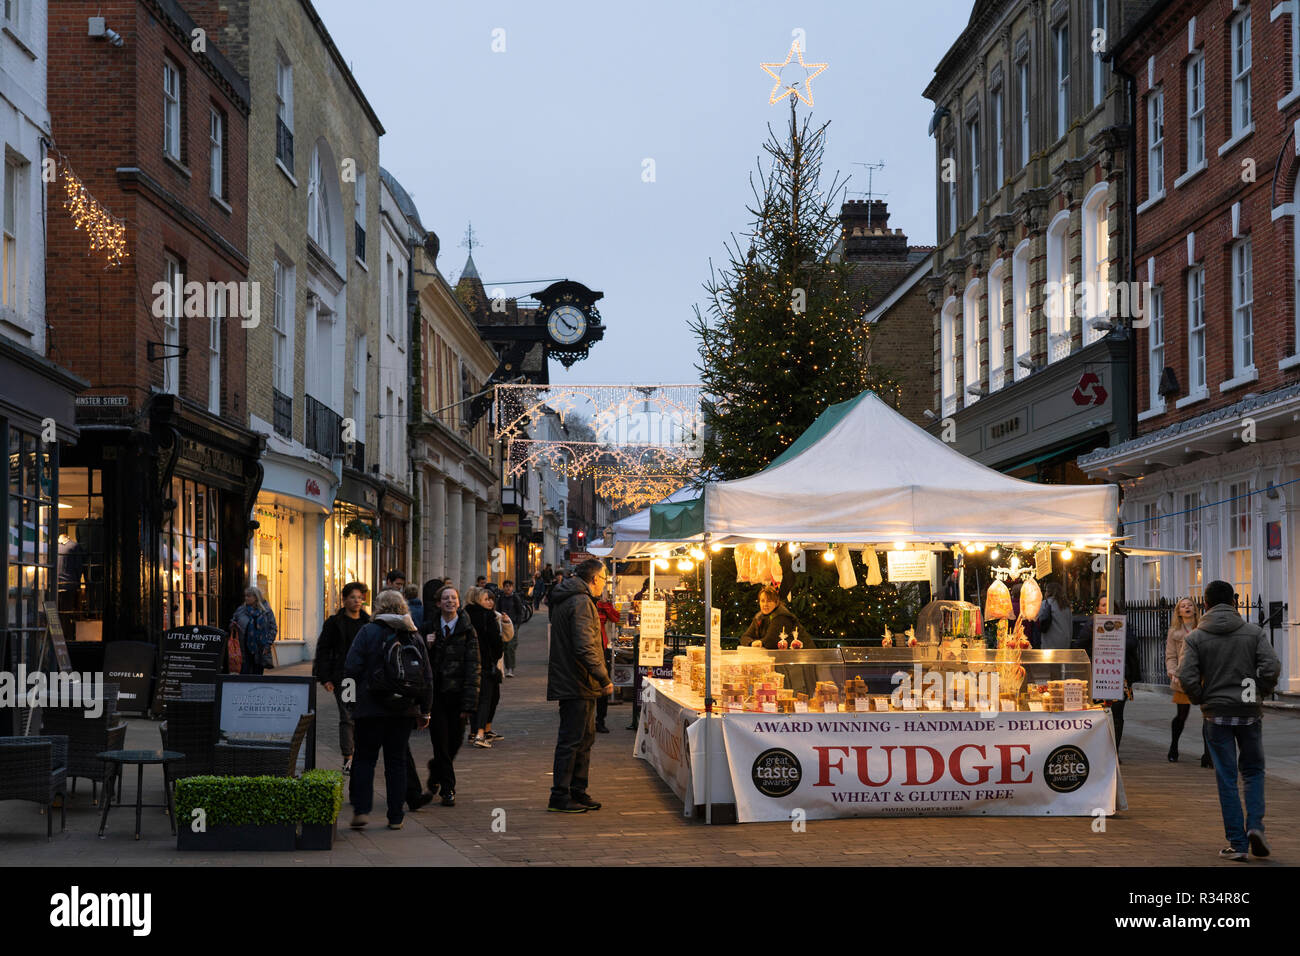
(1067, 554)
(994, 554)
(661, 564)
(828, 555)
(1078, 544)
(697, 554)
(715, 547)
(793, 548)
(970, 549)
(1026, 544)
(1015, 564)
(760, 547)
(685, 564)
(900, 545)
(980, 547)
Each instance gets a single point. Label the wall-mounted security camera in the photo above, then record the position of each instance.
(97, 27)
(113, 37)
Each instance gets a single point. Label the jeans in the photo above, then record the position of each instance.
(573, 747)
(392, 735)
(509, 652)
(1239, 748)
(347, 727)
(446, 731)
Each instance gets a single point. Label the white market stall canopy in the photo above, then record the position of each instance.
(862, 473)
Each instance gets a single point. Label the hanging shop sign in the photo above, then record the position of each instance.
(1273, 539)
(1042, 562)
(909, 565)
(901, 765)
(651, 641)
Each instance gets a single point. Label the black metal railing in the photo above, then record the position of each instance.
(284, 143)
(1149, 622)
(283, 413)
(360, 232)
(324, 428)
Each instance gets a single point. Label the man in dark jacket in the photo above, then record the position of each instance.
(455, 657)
(332, 648)
(512, 606)
(379, 726)
(576, 678)
(1228, 665)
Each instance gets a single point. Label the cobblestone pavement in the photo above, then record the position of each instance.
(1173, 817)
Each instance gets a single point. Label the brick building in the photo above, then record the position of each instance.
(165, 470)
(1218, 380)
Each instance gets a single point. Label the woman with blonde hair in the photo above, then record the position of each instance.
(254, 623)
(1186, 619)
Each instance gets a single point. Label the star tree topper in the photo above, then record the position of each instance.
(774, 70)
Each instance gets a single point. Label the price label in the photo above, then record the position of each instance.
(1036, 705)
(934, 705)
(1009, 703)
(882, 703)
(769, 708)
(909, 703)
(861, 704)
(829, 707)
(801, 706)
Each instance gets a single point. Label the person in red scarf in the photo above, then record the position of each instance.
(608, 615)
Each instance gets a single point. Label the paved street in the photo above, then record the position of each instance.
(1172, 820)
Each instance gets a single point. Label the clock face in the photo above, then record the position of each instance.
(567, 324)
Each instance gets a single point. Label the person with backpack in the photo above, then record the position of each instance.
(332, 648)
(1228, 667)
(394, 689)
(454, 656)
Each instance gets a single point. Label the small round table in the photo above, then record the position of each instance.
(117, 759)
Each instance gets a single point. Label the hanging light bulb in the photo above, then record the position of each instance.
(685, 564)
(1015, 564)
(697, 554)
(793, 548)
(1026, 544)
(715, 547)
(900, 545)
(970, 549)
(1078, 544)
(980, 546)
(661, 564)
(760, 547)
(828, 555)
(1066, 554)
(993, 555)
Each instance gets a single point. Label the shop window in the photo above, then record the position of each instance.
(349, 551)
(81, 550)
(277, 565)
(30, 556)
(191, 557)
(1239, 539)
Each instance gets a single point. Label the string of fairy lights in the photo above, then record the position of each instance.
(105, 232)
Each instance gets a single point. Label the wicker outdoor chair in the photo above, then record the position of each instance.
(88, 737)
(258, 758)
(191, 729)
(36, 769)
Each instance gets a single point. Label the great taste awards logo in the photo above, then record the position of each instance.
(777, 773)
(1066, 769)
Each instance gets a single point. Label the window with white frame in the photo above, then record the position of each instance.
(1058, 304)
(12, 190)
(174, 275)
(995, 110)
(997, 280)
(1099, 72)
(1155, 347)
(1151, 567)
(399, 300)
(1061, 63)
(1243, 305)
(284, 109)
(1196, 112)
(216, 153)
(948, 355)
(1241, 61)
(1191, 541)
(1022, 86)
(318, 210)
(218, 304)
(973, 146)
(1020, 310)
(1239, 539)
(390, 280)
(171, 110)
(1156, 143)
(390, 431)
(1096, 262)
(359, 387)
(1196, 331)
(282, 348)
(970, 375)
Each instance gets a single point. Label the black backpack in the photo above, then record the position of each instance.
(398, 681)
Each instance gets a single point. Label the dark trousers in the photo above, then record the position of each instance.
(1176, 725)
(489, 696)
(1238, 749)
(392, 735)
(446, 731)
(1117, 714)
(602, 703)
(573, 747)
(347, 727)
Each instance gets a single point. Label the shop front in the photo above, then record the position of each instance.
(395, 525)
(352, 542)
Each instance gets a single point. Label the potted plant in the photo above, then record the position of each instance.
(258, 813)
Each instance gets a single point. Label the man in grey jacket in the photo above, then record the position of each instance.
(1228, 664)
(576, 678)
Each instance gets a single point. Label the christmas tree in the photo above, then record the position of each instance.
(781, 340)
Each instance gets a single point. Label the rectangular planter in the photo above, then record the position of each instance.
(264, 837)
(317, 836)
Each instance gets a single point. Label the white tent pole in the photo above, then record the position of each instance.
(961, 576)
(708, 673)
(1109, 599)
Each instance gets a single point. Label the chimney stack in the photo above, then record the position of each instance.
(864, 227)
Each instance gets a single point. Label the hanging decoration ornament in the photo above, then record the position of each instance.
(107, 233)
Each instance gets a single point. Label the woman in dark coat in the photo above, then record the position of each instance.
(772, 618)
(480, 606)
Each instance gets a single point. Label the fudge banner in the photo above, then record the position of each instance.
(661, 738)
(900, 764)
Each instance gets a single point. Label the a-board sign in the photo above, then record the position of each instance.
(261, 707)
(57, 640)
(191, 660)
(130, 665)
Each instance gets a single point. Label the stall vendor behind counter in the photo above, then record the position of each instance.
(772, 618)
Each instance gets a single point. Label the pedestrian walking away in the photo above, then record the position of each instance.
(480, 606)
(576, 678)
(538, 591)
(1186, 619)
(254, 622)
(454, 656)
(332, 647)
(394, 682)
(1054, 619)
(1228, 666)
(416, 606)
(512, 606)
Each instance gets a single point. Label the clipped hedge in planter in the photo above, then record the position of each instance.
(259, 812)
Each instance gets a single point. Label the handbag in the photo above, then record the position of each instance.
(234, 651)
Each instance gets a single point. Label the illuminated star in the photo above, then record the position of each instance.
(810, 70)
